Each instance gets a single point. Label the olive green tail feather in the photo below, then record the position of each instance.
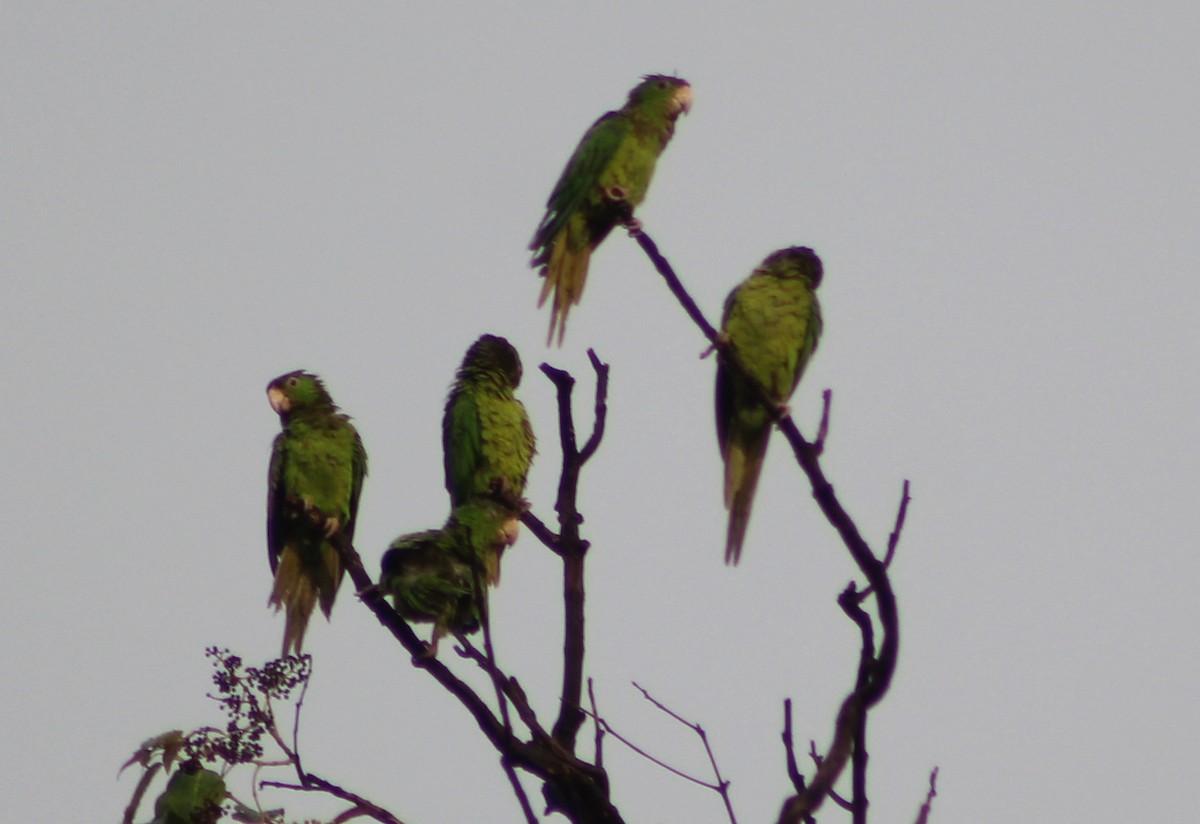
(565, 274)
(299, 590)
(743, 464)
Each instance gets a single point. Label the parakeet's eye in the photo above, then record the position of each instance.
(662, 84)
(293, 382)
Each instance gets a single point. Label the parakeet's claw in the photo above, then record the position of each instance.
(331, 525)
(429, 653)
(369, 591)
(784, 411)
(633, 226)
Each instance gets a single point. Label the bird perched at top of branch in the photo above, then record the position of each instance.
(608, 173)
(486, 435)
(771, 323)
(317, 468)
(432, 579)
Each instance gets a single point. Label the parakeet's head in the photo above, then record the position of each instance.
(483, 524)
(297, 391)
(795, 262)
(674, 94)
(492, 355)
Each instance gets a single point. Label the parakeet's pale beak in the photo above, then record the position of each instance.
(510, 531)
(279, 401)
(683, 99)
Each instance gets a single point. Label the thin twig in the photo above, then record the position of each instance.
(923, 814)
(598, 749)
(518, 790)
(894, 538)
(608, 728)
(138, 792)
(793, 768)
(823, 428)
(296, 714)
(722, 784)
(600, 409)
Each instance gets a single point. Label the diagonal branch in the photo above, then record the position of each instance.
(314, 783)
(881, 670)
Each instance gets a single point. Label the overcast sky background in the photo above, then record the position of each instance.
(197, 198)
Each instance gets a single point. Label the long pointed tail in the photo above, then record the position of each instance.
(743, 463)
(298, 589)
(565, 274)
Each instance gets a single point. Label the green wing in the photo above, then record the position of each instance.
(462, 444)
(579, 180)
(275, 506)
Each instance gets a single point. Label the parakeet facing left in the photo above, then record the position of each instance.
(772, 321)
(317, 468)
(611, 168)
(486, 434)
(431, 580)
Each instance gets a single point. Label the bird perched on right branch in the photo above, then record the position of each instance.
(771, 325)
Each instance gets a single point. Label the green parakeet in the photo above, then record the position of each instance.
(483, 529)
(317, 470)
(193, 796)
(611, 166)
(772, 320)
(432, 580)
(486, 435)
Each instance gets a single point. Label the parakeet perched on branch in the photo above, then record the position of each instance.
(432, 579)
(772, 321)
(316, 475)
(610, 168)
(486, 435)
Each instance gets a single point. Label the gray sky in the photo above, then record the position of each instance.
(200, 197)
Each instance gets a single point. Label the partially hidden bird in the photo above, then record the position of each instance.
(770, 325)
(316, 476)
(432, 580)
(606, 178)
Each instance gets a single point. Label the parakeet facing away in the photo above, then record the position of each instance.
(431, 579)
(317, 470)
(486, 435)
(772, 320)
(611, 166)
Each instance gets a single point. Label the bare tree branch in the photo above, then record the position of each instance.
(570, 547)
(851, 717)
(722, 784)
(314, 783)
